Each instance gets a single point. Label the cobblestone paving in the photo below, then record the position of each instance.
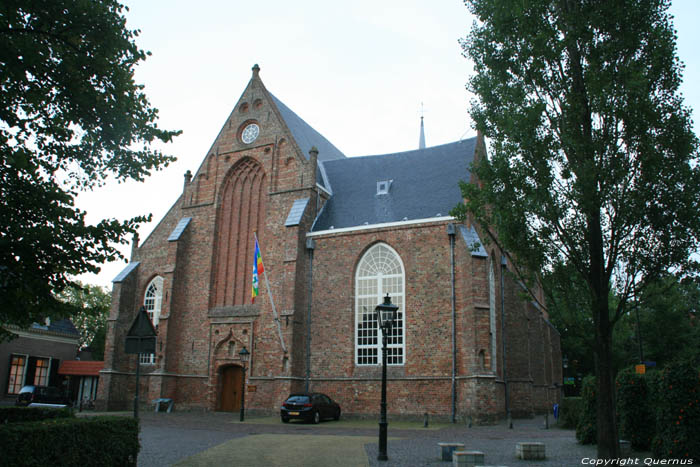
(167, 439)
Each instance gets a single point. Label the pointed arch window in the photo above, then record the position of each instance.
(152, 301)
(379, 272)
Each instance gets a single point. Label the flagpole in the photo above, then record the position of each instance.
(272, 302)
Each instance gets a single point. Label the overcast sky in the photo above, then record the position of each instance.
(356, 71)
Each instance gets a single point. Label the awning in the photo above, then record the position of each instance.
(80, 368)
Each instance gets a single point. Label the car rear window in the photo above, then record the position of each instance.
(26, 389)
(298, 399)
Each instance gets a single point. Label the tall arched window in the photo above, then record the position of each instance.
(152, 303)
(380, 272)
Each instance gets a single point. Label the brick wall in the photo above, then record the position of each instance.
(207, 315)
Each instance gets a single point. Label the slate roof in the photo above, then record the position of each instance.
(473, 242)
(296, 212)
(61, 326)
(305, 136)
(424, 184)
(179, 229)
(126, 271)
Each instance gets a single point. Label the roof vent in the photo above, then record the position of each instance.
(383, 187)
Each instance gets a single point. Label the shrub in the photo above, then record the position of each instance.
(570, 411)
(31, 414)
(586, 428)
(635, 416)
(676, 395)
(103, 441)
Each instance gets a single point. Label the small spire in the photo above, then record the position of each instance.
(256, 70)
(421, 140)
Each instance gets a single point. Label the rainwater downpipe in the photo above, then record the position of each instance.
(451, 234)
(503, 333)
(310, 245)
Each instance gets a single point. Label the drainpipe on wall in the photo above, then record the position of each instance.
(451, 234)
(310, 245)
(503, 333)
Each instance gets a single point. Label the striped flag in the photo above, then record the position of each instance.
(257, 269)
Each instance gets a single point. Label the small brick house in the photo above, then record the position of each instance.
(336, 235)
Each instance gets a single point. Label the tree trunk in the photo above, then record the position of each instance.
(605, 389)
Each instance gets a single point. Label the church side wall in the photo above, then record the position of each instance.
(423, 383)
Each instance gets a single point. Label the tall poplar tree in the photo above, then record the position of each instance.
(71, 116)
(593, 162)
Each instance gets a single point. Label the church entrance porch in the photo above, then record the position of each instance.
(230, 386)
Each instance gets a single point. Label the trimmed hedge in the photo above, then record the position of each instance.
(103, 441)
(635, 414)
(587, 428)
(677, 392)
(570, 411)
(31, 414)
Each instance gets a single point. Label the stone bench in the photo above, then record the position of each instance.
(467, 458)
(530, 451)
(164, 401)
(445, 450)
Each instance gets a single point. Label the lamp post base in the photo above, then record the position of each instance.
(382, 456)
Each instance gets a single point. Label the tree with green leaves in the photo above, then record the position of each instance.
(593, 162)
(93, 303)
(71, 117)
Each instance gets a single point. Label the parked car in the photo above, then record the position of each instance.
(311, 407)
(41, 395)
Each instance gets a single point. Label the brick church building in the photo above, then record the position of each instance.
(336, 235)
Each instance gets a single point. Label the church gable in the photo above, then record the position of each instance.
(262, 127)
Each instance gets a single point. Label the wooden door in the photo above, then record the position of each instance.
(231, 385)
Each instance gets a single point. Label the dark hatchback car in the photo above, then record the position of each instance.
(311, 407)
(45, 395)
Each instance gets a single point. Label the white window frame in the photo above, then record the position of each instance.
(21, 376)
(379, 271)
(153, 302)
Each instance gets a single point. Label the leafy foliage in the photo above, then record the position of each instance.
(31, 414)
(105, 441)
(586, 431)
(571, 408)
(71, 116)
(93, 303)
(677, 391)
(593, 164)
(634, 409)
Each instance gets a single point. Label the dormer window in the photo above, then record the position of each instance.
(383, 187)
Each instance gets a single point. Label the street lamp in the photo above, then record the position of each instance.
(386, 316)
(244, 354)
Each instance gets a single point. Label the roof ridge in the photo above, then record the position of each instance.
(425, 150)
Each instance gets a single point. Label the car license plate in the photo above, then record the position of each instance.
(293, 413)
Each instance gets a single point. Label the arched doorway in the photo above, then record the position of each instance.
(230, 386)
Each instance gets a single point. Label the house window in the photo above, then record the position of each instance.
(18, 364)
(380, 272)
(152, 302)
(41, 374)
